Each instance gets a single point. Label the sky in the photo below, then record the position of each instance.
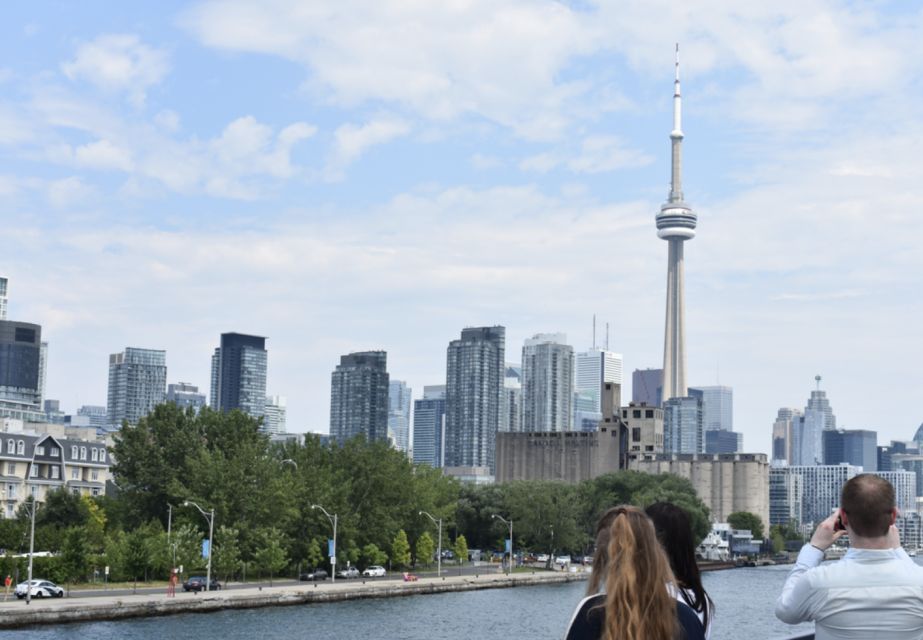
(346, 176)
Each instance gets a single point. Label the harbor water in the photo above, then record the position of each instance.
(744, 600)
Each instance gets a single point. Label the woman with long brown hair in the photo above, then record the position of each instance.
(636, 604)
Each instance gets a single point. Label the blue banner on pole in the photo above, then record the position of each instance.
(331, 550)
(206, 548)
(509, 545)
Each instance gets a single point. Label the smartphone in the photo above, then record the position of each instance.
(838, 525)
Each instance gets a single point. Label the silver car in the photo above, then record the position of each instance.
(39, 589)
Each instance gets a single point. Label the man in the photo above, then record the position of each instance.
(876, 590)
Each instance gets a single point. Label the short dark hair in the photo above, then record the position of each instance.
(868, 501)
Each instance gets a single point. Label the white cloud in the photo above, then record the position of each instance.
(352, 141)
(103, 155)
(597, 154)
(68, 192)
(119, 62)
(167, 120)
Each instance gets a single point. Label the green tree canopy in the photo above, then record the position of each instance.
(747, 520)
(425, 548)
(400, 550)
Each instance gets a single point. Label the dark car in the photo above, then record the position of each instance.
(197, 583)
(317, 574)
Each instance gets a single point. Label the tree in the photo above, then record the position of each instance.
(400, 550)
(227, 552)
(461, 549)
(371, 554)
(74, 562)
(425, 549)
(271, 555)
(315, 555)
(747, 520)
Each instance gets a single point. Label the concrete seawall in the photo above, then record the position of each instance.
(16, 613)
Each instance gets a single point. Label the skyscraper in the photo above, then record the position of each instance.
(547, 383)
(3, 298)
(717, 407)
(137, 384)
(511, 402)
(595, 367)
(675, 223)
(20, 367)
(858, 447)
(429, 427)
(783, 445)
(274, 415)
(818, 417)
(239, 374)
(682, 425)
(474, 386)
(647, 387)
(184, 394)
(399, 413)
(359, 396)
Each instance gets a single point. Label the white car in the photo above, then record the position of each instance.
(562, 560)
(542, 557)
(374, 571)
(39, 589)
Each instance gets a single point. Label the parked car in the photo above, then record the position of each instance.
(317, 574)
(374, 571)
(348, 572)
(562, 560)
(39, 589)
(448, 554)
(197, 583)
(542, 557)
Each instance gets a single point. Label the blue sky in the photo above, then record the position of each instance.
(378, 175)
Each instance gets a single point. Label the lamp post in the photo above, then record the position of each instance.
(510, 523)
(31, 551)
(333, 551)
(210, 516)
(551, 555)
(439, 549)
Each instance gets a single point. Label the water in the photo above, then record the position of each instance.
(744, 603)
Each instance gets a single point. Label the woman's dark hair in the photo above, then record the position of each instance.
(674, 530)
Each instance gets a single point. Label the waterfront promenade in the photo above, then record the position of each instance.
(15, 613)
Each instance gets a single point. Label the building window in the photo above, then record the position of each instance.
(11, 491)
(9, 511)
(95, 492)
(40, 450)
(35, 493)
(636, 413)
(102, 455)
(55, 452)
(83, 453)
(21, 448)
(33, 471)
(11, 469)
(94, 474)
(74, 452)
(76, 492)
(55, 472)
(10, 447)
(75, 474)
(649, 413)
(94, 455)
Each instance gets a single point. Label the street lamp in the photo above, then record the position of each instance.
(333, 551)
(289, 461)
(210, 516)
(509, 522)
(31, 551)
(439, 549)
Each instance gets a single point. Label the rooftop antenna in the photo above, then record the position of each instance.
(607, 336)
(817, 379)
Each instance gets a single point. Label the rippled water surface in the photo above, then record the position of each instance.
(744, 600)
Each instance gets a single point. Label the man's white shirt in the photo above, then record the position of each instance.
(869, 593)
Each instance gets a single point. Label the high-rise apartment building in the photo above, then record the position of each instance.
(137, 384)
(274, 415)
(399, 414)
(474, 388)
(95, 415)
(4, 283)
(239, 374)
(184, 394)
(647, 387)
(429, 427)
(720, 441)
(806, 494)
(857, 447)
(20, 370)
(682, 425)
(717, 407)
(511, 402)
(359, 397)
(547, 383)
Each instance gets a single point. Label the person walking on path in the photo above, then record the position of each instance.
(875, 590)
(7, 583)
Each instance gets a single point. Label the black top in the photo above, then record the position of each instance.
(588, 620)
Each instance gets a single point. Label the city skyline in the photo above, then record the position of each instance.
(168, 175)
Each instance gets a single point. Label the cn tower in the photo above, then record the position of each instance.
(675, 224)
